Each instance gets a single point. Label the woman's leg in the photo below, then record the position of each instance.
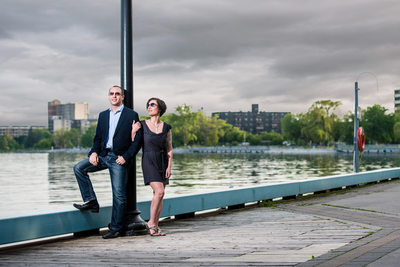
(156, 203)
(158, 211)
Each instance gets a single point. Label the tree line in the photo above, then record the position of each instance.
(189, 128)
(42, 139)
(319, 125)
(195, 128)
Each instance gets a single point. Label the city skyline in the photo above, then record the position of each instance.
(216, 55)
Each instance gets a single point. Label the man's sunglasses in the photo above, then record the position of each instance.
(114, 93)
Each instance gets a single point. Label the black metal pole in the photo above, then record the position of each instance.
(127, 52)
(356, 123)
(135, 225)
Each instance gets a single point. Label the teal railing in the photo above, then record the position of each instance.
(73, 221)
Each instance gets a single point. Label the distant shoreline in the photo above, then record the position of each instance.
(293, 150)
(208, 150)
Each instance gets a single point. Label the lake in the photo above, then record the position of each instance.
(44, 182)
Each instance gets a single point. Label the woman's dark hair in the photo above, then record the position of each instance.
(162, 107)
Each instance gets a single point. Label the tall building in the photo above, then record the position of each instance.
(67, 116)
(397, 100)
(254, 121)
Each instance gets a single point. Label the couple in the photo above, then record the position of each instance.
(119, 136)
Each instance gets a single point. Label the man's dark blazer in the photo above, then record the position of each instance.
(122, 141)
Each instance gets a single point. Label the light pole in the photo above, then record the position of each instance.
(356, 123)
(135, 225)
(356, 120)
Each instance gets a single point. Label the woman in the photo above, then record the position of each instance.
(156, 159)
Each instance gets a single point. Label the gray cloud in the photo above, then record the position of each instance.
(220, 55)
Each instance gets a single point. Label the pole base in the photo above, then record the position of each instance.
(135, 225)
(87, 233)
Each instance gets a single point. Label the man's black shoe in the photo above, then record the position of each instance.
(112, 234)
(92, 205)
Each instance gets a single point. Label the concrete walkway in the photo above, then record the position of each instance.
(357, 227)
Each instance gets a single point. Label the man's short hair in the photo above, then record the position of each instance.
(122, 90)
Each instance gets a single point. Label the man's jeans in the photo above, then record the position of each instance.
(119, 178)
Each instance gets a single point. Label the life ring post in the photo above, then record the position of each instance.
(356, 123)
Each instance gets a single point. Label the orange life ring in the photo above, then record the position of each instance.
(360, 139)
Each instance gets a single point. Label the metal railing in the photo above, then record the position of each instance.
(73, 221)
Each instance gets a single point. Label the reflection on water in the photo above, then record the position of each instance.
(33, 182)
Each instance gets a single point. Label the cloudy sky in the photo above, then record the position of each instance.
(219, 55)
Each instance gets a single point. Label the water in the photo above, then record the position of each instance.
(44, 182)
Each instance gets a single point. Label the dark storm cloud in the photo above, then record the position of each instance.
(220, 55)
(303, 46)
(56, 49)
(205, 31)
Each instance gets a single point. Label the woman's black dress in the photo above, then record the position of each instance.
(155, 158)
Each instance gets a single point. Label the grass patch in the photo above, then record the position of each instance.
(268, 203)
(307, 204)
(335, 206)
(348, 208)
(366, 210)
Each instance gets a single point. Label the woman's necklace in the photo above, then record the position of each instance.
(156, 125)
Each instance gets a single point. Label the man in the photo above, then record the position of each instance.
(113, 149)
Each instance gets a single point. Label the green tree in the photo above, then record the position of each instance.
(46, 143)
(21, 141)
(272, 137)
(396, 132)
(195, 128)
(74, 136)
(184, 124)
(318, 122)
(60, 138)
(88, 136)
(35, 135)
(66, 139)
(291, 126)
(345, 128)
(3, 144)
(177, 136)
(8, 143)
(378, 125)
(210, 129)
(253, 139)
(232, 135)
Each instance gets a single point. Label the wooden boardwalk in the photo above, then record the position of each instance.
(250, 236)
(302, 232)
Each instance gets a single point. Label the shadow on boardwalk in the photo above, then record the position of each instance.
(350, 227)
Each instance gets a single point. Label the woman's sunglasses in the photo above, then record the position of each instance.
(152, 105)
